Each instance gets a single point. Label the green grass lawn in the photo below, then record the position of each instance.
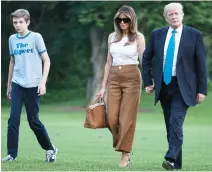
(82, 149)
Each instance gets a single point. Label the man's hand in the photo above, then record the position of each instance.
(9, 92)
(149, 89)
(41, 89)
(200, 98)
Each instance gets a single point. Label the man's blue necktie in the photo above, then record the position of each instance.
(169, 59)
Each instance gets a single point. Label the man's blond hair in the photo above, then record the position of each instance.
(21, 13)
(171, 6)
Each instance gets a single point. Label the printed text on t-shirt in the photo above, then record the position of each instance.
(23, 49)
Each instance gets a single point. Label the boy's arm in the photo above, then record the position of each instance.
(11, 67)
(12, 62)
(46, 67)
(40, 45)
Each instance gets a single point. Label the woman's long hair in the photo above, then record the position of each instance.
(132, 33)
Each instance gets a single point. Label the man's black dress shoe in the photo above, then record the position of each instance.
(168, 165)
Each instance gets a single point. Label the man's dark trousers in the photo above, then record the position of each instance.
(30, 98)
(174, 109)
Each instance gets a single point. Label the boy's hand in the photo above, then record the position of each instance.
(41, 89)
(9, 92)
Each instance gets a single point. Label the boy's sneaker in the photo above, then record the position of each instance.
(51, 155)
(8, 158)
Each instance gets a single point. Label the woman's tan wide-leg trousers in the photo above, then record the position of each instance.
(124, 87)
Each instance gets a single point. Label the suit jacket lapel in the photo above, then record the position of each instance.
(162, 43)
(182, 43)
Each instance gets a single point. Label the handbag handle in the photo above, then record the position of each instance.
(99, 100)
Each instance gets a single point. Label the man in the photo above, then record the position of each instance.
(179, 76)
(26, 84)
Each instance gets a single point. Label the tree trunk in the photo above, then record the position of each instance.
(98, 40)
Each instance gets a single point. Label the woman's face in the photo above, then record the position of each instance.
(123, 21)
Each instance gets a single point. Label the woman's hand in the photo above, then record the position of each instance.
(101, 93)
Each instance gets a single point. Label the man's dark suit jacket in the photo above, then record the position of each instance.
(190, 68)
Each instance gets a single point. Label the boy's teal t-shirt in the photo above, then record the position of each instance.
(26, 51)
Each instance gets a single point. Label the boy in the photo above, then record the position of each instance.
(26, 84)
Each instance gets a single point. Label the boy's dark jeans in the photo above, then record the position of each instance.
(30, 98)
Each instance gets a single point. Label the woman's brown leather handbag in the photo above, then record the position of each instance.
(96, 115)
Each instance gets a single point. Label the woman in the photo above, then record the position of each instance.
(123, 80)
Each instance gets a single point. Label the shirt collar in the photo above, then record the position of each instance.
(179, 29)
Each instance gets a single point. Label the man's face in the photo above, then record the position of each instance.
(174, 17)
(20, 24)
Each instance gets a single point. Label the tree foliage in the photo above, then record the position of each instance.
(66, 28)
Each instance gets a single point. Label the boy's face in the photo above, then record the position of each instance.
(20, 24)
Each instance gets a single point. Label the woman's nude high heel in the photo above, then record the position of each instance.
(125, 160)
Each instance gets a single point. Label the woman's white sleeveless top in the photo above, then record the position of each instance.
(123, 54)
